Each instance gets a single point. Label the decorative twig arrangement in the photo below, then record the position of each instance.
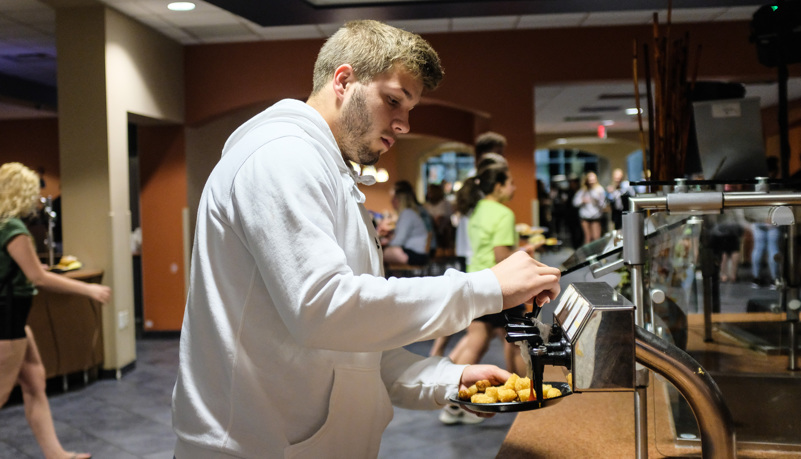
(669, 104)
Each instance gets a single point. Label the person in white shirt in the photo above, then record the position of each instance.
(292, 341)
(413, 233)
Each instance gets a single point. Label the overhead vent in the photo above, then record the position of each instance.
(601, 109)
(575, 119)
(618, 96)
(218, 31)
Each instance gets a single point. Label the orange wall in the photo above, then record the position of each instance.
(162, 200)
(487, 72)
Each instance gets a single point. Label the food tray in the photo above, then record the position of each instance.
(511, 407)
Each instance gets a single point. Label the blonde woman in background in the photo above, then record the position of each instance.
(591, 201)
(21, 273)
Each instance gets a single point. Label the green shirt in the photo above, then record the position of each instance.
(491, 225)
(8, 231)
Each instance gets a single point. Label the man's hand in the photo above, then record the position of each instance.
(523, 278)
(474, 373)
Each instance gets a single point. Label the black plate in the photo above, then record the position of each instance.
(510, 407)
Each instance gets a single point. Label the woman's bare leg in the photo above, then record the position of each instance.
(37, 408)
(585, 226)
(12, 354)
(438, 346)
(473, 345)
(596, 230)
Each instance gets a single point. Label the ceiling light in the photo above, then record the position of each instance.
(181, 6)
(632, 111)
(381, 175)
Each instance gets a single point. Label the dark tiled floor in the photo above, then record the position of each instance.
(125, 419)
(130, 417)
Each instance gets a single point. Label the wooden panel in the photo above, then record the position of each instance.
(68, 328)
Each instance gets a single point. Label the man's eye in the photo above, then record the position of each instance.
(393, 101)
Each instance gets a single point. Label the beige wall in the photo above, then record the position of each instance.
(109, 67)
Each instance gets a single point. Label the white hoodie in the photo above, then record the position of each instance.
(292, 340)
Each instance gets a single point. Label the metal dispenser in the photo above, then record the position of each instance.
(595, 336)
(592, 335)
(599, 324)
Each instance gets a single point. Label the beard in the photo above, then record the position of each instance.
(355, 124)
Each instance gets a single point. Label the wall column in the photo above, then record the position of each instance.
(94, 172)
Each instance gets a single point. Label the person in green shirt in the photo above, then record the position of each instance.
(492, 235)
(21, 273)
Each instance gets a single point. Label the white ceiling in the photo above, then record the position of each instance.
(27, 48)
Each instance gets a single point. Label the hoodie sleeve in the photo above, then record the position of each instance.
(415, 382)
(286, 202)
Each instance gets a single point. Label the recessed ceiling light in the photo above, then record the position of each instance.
(181, 6)
(633, 111)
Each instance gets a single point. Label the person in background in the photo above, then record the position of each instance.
(766, 237)
(466, 197)
(292, 341)
(412, 237)
(545, 205)
(725, 239)
(618, 194)
(21, 274)
(590, 201)
(489, 142)
(440, 210)
(493, 239)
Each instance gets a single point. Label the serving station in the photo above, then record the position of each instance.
(675, 319)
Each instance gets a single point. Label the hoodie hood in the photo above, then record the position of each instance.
(307, 118)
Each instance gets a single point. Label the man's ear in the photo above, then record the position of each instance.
(343, 76)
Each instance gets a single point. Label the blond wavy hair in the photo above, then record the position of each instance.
(19, 191)
(373, 48)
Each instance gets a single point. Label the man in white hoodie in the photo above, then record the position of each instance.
(292, 338)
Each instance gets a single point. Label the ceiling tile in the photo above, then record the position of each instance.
(221, 32)
(192, 19)
(741, 13)
(286, 32)
(551, 20)
(484, 23)
(422, 26)
(618, 18)
(329, 29)
(692, 15)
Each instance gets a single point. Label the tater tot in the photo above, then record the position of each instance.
(491, 391)
(483, 385)
(482, 398)
(553, 393)
(506, 395)
(522, 383)
(465, 394)
(510, 383)
(523, 394)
